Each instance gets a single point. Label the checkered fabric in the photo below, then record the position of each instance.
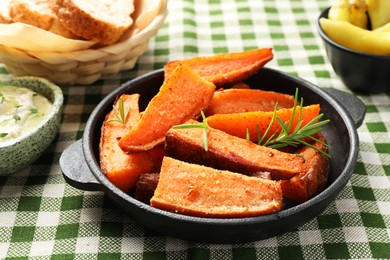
(42, 217)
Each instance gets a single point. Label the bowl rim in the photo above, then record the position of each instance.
(57, 103)
(326, 38)
(334, 187)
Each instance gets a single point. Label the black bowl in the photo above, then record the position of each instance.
(80, 164)
(359, 71)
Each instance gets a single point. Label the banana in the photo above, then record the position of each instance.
(356, 38)
(339, 11)
(379, 12)
(355, 12)
(383, 28)
(358, 14)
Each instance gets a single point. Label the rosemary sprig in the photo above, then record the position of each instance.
(286, 137)
(203, 125)
(121, 117)
(297, 136)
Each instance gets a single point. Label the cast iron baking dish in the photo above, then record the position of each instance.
(80, 163)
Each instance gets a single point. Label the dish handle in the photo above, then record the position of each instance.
(352, 104)
(75, 169)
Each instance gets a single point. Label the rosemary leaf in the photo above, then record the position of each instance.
(199, 125)
(286, 137)
(319, 141)
(315, 148)
(203, 125)
(270, 139)
(205, 141)
(268, 128)
(121, 110)
(248, 135)
(121, 117)
(298, 135)
(284, 127)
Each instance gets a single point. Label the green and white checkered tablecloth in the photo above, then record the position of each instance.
(42, 217)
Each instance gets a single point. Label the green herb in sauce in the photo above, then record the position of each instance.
(21, 109)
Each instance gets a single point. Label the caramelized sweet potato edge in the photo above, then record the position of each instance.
(240, 85)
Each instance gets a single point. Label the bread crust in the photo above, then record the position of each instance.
(4, 12)
(89, 26)
(39, 14)
(32, 13)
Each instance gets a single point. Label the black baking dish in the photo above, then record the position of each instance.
(80, 163)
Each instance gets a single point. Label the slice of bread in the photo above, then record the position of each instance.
(38, 13)
(104, 21)
(4, 12)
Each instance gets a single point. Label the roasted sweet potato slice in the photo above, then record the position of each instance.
(201, 191)
(146, 185)
(313, 179)
(182, 97)
(229, 101)
(225, 69)
(241, 85)
(121, 169)
(237, 124)
(227, 152)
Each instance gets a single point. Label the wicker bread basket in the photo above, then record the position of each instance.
(84, 66)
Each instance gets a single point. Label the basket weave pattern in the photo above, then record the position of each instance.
(85, 66)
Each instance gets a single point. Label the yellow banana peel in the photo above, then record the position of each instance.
(383, 28)
(358, 14)
(355, 12)
(339, 11)
(353, 37)
(379, 12)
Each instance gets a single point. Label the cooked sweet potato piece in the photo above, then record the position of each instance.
(227, 152)
(241, 85)
(313, 179)
(225, 69)
(182, 97)
(156, 155)
(201, 191)
(229, 101)
(121, 169)
(146, 185)
(237, 124)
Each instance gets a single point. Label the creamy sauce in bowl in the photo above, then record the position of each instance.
(21, 109)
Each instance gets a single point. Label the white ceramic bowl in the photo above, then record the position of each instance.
(19, 152)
